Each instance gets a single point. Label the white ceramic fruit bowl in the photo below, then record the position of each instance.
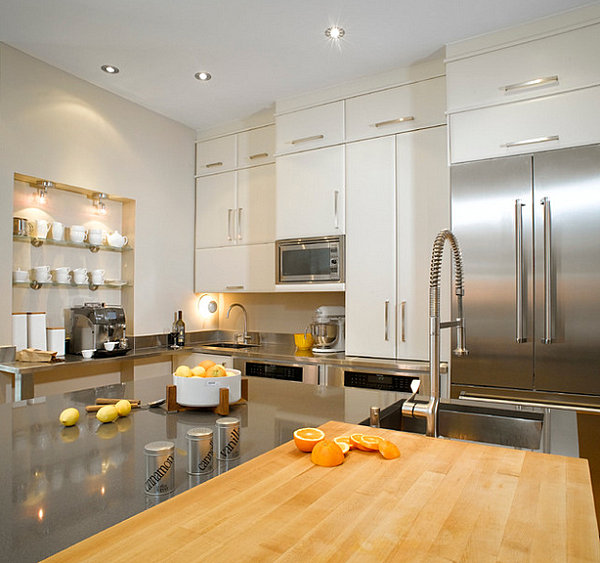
(204, 391)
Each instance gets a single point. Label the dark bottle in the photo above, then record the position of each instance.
(180, 329)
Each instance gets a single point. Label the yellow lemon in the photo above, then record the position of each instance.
(183, 371)
(107, 413)
(198, 371)
(123, 407)
(69, 417)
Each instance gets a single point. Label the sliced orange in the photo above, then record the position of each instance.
(306, 438)
(339, 440)
(370, 442)
(344, 446)
(388, 449)
(356, 440)
(327, 453)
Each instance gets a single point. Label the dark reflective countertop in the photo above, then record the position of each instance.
(62, 485)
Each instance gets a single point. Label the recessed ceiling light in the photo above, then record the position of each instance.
(110, 69)
(335, 32)
(202, 76)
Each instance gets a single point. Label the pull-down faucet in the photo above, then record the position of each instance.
(430, 410)
(245, 337)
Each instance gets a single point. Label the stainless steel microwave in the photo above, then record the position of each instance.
(310, 260)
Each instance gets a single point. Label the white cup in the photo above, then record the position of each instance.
(20, 275)
(80, 276)
(77, 235)
(58, 231)
(97, 277)
(61, 275)
(39, 228)
(116, 239)
(109, 346)
(42, 274)
(95, 236)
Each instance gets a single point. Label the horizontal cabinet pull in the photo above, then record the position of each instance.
(307, 139)
(259, 155)
(234, 287)
(393, 121)
(213, 164)
(531, 141)
(531, 83)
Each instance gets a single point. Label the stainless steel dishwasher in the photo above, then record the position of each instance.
(288, 371)
(366, 378)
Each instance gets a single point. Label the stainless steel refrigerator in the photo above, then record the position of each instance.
(529, 231)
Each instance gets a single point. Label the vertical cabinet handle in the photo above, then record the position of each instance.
(547, 339)
(519, 281)
(403, 317)
(239, 223)
(386, 318)
(336, 220)
(229, 213)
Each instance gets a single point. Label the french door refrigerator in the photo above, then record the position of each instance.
(529, 231)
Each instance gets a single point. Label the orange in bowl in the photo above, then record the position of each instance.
(327, 454)
(307, 438)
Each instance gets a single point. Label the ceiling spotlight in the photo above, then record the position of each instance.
(204, 76)
(98, 203)
(335, 32)
(42, 190)
(110, 69)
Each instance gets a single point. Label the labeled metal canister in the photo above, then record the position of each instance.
(228, 437)
(160, 468)
(200, 450)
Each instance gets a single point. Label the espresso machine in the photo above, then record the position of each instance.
(329, 329)
(93, 324)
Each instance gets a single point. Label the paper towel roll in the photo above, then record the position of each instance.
(19, 330)
(36, 331)
(56, 340)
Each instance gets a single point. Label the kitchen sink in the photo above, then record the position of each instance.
(230, 345)
(476, 423)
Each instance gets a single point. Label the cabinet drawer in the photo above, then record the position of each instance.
(256, 146)
(310, 128)
(554, 122)
(405, 108)
(215, 155)
(560, 62)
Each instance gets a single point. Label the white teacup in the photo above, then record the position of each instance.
(109, 346)
(95, 236)
(58, 231)
(61, 275)
(76, 235)
(97, 277)
(39, 228)
(41, 274)
(80, 276)
(20, 275)
(116, 239)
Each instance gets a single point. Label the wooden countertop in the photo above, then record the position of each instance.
(441, 500)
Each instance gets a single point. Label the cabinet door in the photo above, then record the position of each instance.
(256, 146)
(310, 193)
(423, 211)
(215, 210)
(216, 155)
(310, 128)
(371, 248)
(255, 213)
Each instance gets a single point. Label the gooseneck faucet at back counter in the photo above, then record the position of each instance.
(245, 338)
(430, 409)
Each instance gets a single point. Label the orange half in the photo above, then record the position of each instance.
(306, 438)
(327, 454)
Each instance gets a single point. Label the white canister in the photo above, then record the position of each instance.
(56, 340)
(36, 331)
(19, 330)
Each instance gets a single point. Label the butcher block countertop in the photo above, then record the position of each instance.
(442, 500)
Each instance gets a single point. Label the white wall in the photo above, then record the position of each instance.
(58, 127)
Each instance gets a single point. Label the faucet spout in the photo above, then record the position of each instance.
(245, 336)
(429, 410)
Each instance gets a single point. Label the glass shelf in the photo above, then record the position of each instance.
(91, 247)
(90, 286)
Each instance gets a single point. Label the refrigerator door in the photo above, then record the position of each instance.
(491, 217)
(567, 270)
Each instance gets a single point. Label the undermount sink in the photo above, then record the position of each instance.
(232, 345)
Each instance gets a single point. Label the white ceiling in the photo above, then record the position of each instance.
(257, 51)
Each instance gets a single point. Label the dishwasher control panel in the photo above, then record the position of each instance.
(385, 382)
(274, 371)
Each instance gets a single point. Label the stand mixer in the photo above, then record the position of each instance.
(329, 329)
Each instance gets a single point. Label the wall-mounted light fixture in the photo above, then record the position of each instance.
(98, 202)
(206, 305)
(42, 190)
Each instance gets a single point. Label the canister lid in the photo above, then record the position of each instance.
(228, 421)
(199, 433)
(159, 448)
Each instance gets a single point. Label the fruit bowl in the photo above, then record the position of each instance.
(204, 391)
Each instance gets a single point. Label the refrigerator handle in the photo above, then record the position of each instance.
(547, 339)
(520, 313)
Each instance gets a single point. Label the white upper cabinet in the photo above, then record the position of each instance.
(311, 128)
(216, 155)
(310, 193)
(215, 210)
(405, 108)
(256, 146)
(545, 66)
(554, 122)
(255, 211)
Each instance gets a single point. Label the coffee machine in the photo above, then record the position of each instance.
(329, 329)
(96, 323)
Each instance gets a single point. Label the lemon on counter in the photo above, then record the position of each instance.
(123, 407)
(69, 417)
(107, 413)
